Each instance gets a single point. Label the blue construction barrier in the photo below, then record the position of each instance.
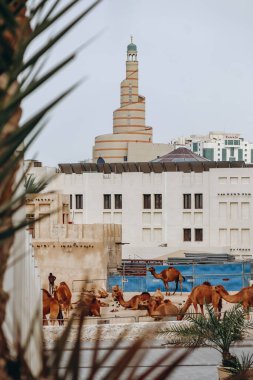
(233, 276)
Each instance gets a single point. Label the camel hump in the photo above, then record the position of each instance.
(207, 283)
(46, 292)
(63, 283)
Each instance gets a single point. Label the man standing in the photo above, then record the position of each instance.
(51, 279)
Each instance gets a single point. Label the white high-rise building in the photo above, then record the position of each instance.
(219, 146)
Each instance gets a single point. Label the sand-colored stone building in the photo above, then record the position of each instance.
(75, 253)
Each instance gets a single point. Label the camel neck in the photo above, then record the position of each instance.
(156, 275)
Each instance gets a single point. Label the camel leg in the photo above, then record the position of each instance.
(202, 309)
(246, 309)
(176, 286)
(45, 320)
(167, 289)
(181, 287)
(195, 305)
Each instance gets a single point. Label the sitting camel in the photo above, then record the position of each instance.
(94, 308)
(135, 302)
(158, 294)
(159, 309)
(115, 290)
(101, 293)
(63, 294)
(244, 296)
(200, 295)
(169, 274)
(52, 307)
(90, 305)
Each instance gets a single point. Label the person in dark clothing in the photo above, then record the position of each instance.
(51, 279)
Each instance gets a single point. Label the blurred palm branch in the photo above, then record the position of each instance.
(21, 74)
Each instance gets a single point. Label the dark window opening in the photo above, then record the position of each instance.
(118, 201)
(187, 234)
(70, 201)
(158, 201)
(198, 201)
(146, 201)
(198, 234)
(107, 201)
(79, 201)
(187, 201)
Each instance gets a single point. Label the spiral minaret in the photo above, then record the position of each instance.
(128, 120)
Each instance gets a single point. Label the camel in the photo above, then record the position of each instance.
(169, 274)
(63, 294)
(115, 290)
(91, 305)
(200, 295)
(94, 308)
(51, 306)
(244, 296)
(159, 309)
(158, 294)
(135, 302)
(101, 293)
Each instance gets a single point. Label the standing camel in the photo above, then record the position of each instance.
(169, 274)
(201, 295)
(63, 295)
(51, 306)
(244, 296)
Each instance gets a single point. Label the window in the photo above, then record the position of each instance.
(79, 201)
(158, 201)
(146, 201)
(198, 201)
(187, 201)
(30, 219)
(107, 201)
(187, 234)
(198, 234)
(70, 201)
(118, 201)
(125, 158)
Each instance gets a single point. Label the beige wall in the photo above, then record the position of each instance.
(138, 152)
(71, 252)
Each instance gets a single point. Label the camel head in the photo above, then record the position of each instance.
(119, 293)
(151, 269)
(154, 301)
(220, 288)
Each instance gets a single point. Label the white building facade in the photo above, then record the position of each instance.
(164, 208)
(219, 146)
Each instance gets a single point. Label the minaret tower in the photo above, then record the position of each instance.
(128, 120)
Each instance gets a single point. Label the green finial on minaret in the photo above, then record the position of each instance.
(132, 47)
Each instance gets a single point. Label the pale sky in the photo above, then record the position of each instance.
(195, 70)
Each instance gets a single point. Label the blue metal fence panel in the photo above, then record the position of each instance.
(233, 276)
(134, 284)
